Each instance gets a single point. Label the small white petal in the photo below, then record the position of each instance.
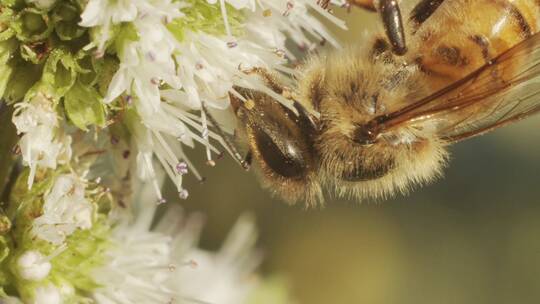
(119, 84)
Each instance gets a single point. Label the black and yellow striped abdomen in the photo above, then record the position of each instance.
(463, 35)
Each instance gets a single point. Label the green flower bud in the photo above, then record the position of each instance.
(66, 18)
(33, 22)
(6, 16)
(32, 25)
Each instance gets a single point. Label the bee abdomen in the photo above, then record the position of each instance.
(463, 35)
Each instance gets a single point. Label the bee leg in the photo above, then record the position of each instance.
(323, 3)
(248, 159)
(268, 78)
(305, 118)
(392, 21)
(227, 142)
(423, 10)
(393, 24)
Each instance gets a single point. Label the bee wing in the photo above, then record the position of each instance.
(502, 91)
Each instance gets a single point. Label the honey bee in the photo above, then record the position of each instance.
(375, 120)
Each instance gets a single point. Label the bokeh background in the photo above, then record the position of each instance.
(471, 237)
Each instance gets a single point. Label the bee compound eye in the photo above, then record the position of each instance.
(283, 157)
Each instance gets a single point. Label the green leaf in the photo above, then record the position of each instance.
(60, 71)
(83, 106)
(24, 76)
(59, 74)
(99, 71)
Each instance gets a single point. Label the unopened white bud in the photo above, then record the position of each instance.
(33, 266)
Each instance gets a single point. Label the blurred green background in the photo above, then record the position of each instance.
(471, 237)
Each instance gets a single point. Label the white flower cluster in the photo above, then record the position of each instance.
(142, 264)
(65, 209)
(42, 143)
(166, 79)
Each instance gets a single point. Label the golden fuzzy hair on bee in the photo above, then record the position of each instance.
(349, 88)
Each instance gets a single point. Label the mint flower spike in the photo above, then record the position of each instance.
(56, 239)
(169, 68)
